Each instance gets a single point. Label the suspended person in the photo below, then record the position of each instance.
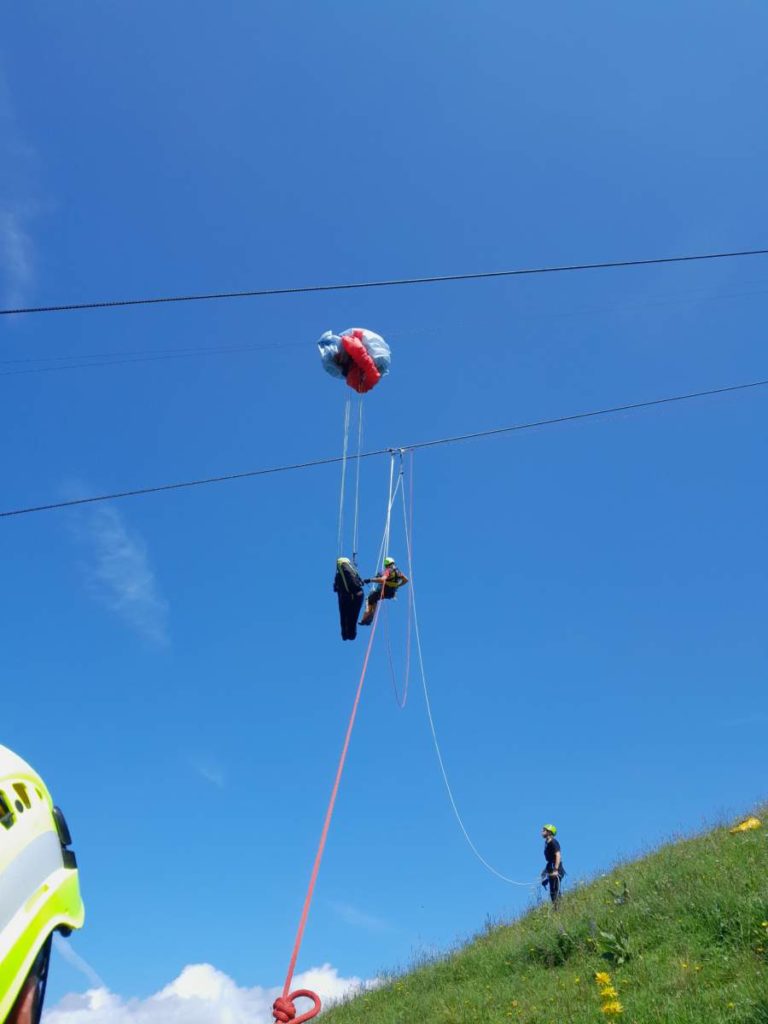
(553, 872)
(389, 582)
(349, 587)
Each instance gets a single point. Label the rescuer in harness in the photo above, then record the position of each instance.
(349, 587)
(554, 872)
(389, 582)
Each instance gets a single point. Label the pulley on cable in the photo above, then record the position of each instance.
(361, 358)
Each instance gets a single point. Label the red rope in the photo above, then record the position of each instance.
(283, 1009)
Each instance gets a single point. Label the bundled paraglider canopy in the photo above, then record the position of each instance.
(357, 355)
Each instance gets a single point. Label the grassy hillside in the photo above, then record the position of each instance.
(679, 937)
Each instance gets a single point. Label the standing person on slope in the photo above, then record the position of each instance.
(389, 582)
(554, 872)
(349, 587)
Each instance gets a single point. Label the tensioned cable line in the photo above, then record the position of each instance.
(391, 283)
(27, 365)
(572, 418)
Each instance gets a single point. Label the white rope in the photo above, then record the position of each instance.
(340, 537)
(384, 549)
(357, 475)
(483, 861)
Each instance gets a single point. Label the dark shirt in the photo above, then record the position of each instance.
(551, 847)
(347, 580)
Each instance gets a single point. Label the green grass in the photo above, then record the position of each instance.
(683, 934)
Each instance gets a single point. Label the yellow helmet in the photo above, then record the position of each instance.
(39, 882)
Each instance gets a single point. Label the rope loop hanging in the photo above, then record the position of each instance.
(532, 885)
(284, 1009)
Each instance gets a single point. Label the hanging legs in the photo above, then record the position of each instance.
(349, 609)
(373, 599)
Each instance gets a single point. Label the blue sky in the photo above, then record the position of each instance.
(591, 597)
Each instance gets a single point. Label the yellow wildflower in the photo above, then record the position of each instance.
(603, 978)
(612, 1009)
(608, 992)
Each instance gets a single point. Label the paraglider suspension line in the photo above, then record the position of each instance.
(357, 477)
(340, 534)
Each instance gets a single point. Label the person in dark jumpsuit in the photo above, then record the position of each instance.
(554, 872)
(389, 582)
(349, 587)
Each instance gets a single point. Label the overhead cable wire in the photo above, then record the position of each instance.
(127, 359)
(333, 460)
(95, 360)
(388, 283)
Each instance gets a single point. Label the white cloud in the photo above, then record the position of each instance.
(200, 995)
(119, 574)
(358, 918)
(67, 952)
(17, 206)
(15, 257)
(211, 772)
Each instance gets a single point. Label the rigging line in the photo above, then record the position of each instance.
(98, 361)
(390, 283)
(388, 641)
(457, 814)
(384, 548)
(340, 536)
(401, 701)
(332, 460)
(355, 534)
(329, 812)
(409, 545)
(331, 805)
(389, 506)
(118, 356)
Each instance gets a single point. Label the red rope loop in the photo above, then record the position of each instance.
(284, 1011)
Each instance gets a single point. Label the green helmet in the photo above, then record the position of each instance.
(343, 561)
(389, 561)
(550, 828)
(39, 881)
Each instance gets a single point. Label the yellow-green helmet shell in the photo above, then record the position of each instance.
(39, 882)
